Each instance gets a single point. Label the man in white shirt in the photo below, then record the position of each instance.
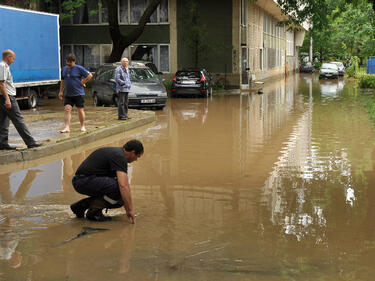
(9, 109)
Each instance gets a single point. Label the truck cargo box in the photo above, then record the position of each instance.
(34, 37)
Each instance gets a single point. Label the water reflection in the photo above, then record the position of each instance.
(275, 186)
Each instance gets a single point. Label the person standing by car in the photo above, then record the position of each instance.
(9, 109)
(73, 79)
(123, 85)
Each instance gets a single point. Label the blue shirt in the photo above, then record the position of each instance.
(122, 78)
(72, 78)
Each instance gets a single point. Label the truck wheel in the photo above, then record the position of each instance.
(32, 101)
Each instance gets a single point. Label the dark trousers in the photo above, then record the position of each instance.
(95, 186)
(13, 114)
(123, 103)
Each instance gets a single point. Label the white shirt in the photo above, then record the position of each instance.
(6, 76)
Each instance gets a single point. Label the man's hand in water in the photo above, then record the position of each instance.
(131, 216)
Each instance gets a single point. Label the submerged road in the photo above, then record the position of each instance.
(268, 187)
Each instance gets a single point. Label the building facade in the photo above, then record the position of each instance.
(234, 40)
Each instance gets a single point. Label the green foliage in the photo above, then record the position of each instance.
(317, 64)
(367, 81)
(168, 85)
(350, 71)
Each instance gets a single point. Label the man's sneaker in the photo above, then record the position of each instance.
(80, 207)
(7, 147)
(96, 215)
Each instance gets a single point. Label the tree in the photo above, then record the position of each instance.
(67, 8)
(121, 41)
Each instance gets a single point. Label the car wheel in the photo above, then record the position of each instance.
(96, 100)
(115, 101)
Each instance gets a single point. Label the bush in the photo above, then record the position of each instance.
(317, 64)
(168, 85)
(367, 81)
(350, 71)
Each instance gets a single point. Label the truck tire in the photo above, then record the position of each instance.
(32, 101)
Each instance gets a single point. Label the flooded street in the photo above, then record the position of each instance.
(278, 186)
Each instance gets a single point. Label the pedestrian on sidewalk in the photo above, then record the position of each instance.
(103, 176)
(73, 79)
(9, 109)
(123, 84)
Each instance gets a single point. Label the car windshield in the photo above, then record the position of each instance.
(189, 74)
(329, 66)
(339, 64)
(142, 75)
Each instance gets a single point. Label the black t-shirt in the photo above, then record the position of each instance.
(104, 161)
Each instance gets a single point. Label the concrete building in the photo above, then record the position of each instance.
(234, 40)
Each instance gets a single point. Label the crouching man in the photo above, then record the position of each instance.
(103, 176)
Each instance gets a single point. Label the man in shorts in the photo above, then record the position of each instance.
(73, 79)
(103, 176)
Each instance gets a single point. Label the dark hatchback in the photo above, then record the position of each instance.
(192, 82)
(147, 91)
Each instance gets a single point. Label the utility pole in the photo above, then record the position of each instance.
(311, 47)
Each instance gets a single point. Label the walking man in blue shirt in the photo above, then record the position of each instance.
(123, 84)
(73, 79)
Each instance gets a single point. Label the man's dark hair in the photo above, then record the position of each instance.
(135, 145)
(70, 57)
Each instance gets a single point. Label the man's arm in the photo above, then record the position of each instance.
(3, 90)
(86, 79)
(62, 87)
(123, 183)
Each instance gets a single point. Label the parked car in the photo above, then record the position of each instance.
(192, 82)
(341, 67)
(329, 70)
(147, 91)
(306, 67)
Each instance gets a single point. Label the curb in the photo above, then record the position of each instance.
(54, 148)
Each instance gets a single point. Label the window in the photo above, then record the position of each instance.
(124, 11)
(130, 12)
(290, 43)
(157, 54)
(88, 13)
(164, 58)
(88, 56)
(137, 8)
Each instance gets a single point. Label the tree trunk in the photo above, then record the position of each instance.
(120, 41)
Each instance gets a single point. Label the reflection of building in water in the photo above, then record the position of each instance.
(33, 182)
(216, 164)
(302, 166)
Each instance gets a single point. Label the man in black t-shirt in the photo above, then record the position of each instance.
(103, 176)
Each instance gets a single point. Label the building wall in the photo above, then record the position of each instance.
(215, 21)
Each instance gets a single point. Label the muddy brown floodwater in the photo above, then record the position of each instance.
(278, 186)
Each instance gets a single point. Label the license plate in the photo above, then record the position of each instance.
(148, 101)
(188, 82)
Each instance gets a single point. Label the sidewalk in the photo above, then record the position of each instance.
(45, 126)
